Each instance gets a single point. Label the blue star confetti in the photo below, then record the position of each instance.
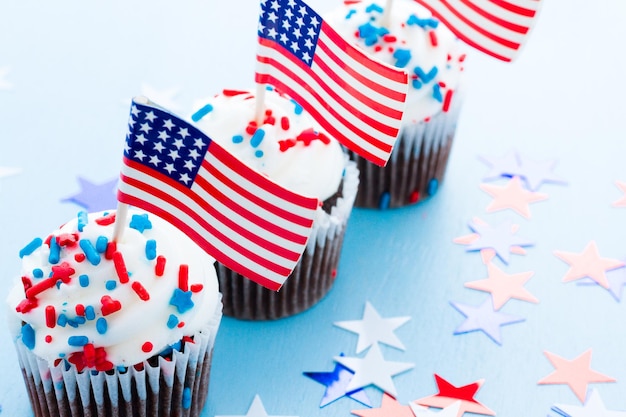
(95, 197)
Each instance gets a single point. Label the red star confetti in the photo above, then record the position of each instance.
(512, 196)
(588, 263)
(449, 394)
(389, 408)
(576, 373)
(622, 201)
(503, 286)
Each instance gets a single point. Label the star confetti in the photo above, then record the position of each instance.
(502, 239)
(95, 197)
(588, 263)
(255, 410)
(374, 329)
(389, 408)
(485, 319)
(576, 373)
(452, 410)
(594, 407)
(505, 166)
(4, 84)
(503, 286)
(534, 173)
(7, 172)
(336, 382)
(512, 196)
(622, 201)
(373, 369)
(449, 394)
(617, 280)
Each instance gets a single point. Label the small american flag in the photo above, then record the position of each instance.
(356, 99)
(245, 221)
(495, 27)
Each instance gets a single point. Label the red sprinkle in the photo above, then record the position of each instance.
(284, 123)
(181, 324)
(27, 283)
(462, 58)
(378, 48)
(333, 273)
(446, 101)
(110, 250)
(47, 241)
(251, 128)
(196, 288)
(389, 38)
(268, 112)
(414, 197)
(80, 310)
(140, 291)
(449, 57)
(160, 266)
(51, 317)
(106, 220)
(120, 267)
(433, 37)
(79, 257)
(48, 338)
(270, 120)
(232, 93)
(26, 305)
(67, 239)
(183, 277)
(109, 305)
(286, 144)
(40, 287)
(188, 339)
(147, 347)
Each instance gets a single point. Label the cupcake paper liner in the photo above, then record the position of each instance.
(312, 277)
(176, 387)
(416, 167)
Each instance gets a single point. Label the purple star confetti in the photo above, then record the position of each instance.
(534, 173)
(505, 166)
(616, 279)
(484, 318)
(95, 197)
(336, 383)
(501, 239)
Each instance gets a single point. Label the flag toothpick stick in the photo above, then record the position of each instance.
(260, 103)
(120, 220)
(384, 21)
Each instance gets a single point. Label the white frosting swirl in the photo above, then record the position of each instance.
(149, 319)
(406, 42)
(312, 168)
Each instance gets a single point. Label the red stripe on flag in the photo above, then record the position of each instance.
(513, 27)
(515, 8)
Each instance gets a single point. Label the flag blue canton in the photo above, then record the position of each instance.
(165, 143)
(292, 24)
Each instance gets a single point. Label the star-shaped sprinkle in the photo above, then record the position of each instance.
(256, 409)
(512, 196)
(374, 329)
(622, 201)
(453, 410)
(181, 300)
(388, 408)
(336, 382)
(485, 319)
(503, 286)
(95, 197)
(503, 239)
(588, 263)
(536, 173)
(449, 394)
(4, 84)
(576, 373)
(617, 280)
(373, 369)
(505, 166)
(594, 407)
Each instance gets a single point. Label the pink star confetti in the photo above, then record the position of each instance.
(588, 263)
(512, 196)
(503, 286)
(576, 373)
(449, 394)
(389, 408)
(622, 201)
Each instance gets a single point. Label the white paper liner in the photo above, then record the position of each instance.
(314, 274)
(63, 391)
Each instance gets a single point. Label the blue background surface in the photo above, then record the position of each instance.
(74, 66)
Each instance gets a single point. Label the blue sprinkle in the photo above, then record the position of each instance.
(367, 30)
(140, 222)
(110, 285)
(90, 313)
(28, 336)
(417, 84)
(62, 320)
(201, 113)
(90, 251)
(269, 88)
(437, 93)
(237, 139)
(402, 56)
(72, 323)
(37, 273)
(82, 220)
(374, 8)
(426, 77)
(186, 398)
(433, 186)
(257, 138)
(258, 154)
(30, 248)
(384, 201)
(350, 13)
(151, 249)
(55, 251)
(172, 321)
(101, 244)
(298, 109)
(77, 340)
(101, 325)
(423, 23)
(80, 320)
(83, 280)
(181, 300)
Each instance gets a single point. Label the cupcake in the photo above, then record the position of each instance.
(409, 38)
(287, 147)
(120, 328)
